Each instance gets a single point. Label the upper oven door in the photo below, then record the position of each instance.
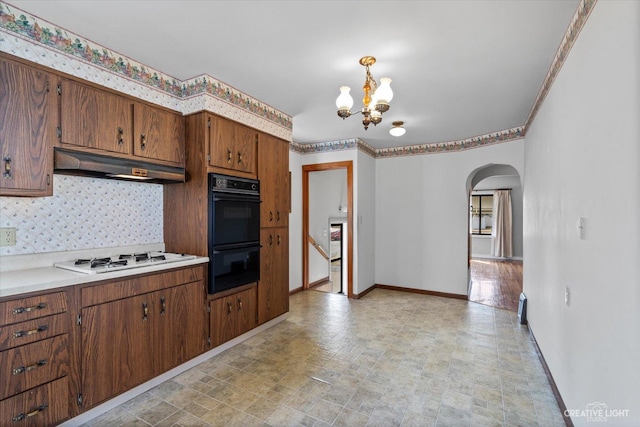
(235, 219)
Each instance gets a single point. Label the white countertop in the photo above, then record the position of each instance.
(45, 277)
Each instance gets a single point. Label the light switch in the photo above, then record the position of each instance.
(582, 224)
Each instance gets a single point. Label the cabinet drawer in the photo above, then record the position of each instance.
(34, 364)
(112, 291)
(46, 405)
(33, 330)
(23, 309)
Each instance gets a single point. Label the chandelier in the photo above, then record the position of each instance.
(376, 98)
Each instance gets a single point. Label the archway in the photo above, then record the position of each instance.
(493, 280)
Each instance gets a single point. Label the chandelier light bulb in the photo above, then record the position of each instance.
(384, 94)
(344, 101)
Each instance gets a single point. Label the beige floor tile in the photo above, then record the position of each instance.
(390, 358)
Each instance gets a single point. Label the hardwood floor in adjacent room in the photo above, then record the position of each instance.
(496, 283)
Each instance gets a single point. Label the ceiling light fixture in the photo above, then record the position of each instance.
(397, 129)
(376, 98)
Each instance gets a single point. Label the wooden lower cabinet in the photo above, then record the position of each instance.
(232, 315)
(131, 340)
(46, 405)
(273, 287)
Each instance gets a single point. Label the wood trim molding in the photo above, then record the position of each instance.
(295, 291)
(365, 292)
(554, 388)
(421, 291)
(319, 282)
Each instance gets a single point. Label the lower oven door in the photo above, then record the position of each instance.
(232, 267)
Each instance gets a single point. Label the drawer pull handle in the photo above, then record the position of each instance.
(120, 136)
(228, 156)
(239, 158)
(163, 306)
(23, 369)
(21, 310)
(239, 304)
(20, 334)
(145, 311)
(7, 167)
(143, 141)
(23, 416)
(228, 308)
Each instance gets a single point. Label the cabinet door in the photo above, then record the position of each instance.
(244, 147)
(246, 310)
(116, 348)
(223, 321)
(158, 134)
(273, 172)
(221, 150)
(28, 121)
(273, 287)
(181, 318)
(280, 284)
(94, 118)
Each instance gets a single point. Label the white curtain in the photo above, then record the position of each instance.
(501, 234)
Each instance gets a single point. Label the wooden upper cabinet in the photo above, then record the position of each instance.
(273, 172)
(232, 146)
(28, 121)
(158, 134)
(94, 118)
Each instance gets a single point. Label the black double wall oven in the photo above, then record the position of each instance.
(234, 232)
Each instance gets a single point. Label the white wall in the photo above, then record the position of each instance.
(366, 223)
(327, 192)
(421, 206)
(583, 160)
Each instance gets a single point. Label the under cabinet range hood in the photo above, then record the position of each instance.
(83, 163)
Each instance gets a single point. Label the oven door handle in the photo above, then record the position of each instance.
(226, 248)
(236, 198)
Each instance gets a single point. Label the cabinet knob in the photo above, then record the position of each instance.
(228, 308)
(7, 167)
(239, 304)
(145, 311)
(143, 141)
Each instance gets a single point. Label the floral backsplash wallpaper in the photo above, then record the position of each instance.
(84, 213)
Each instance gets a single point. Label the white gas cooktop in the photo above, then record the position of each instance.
(122, 262)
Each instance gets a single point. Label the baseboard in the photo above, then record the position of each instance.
(495, 258)
(556, 393)
(319, 282)
(365, 292)
(148, 385)
(295, 291)
(421, 291)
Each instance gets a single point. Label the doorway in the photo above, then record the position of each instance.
(494, 278)
(309, 242)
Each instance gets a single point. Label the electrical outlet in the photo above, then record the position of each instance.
(7, 236)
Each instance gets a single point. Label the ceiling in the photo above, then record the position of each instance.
(459, 68)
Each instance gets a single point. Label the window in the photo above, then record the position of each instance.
(481, 214)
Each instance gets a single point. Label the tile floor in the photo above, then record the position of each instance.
(388, 359)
